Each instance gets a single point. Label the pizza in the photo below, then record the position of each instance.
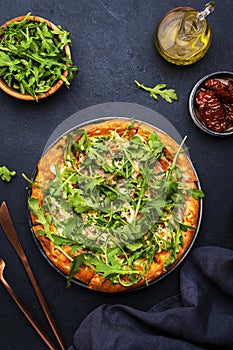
(115, 204)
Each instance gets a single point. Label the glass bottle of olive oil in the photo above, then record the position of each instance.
(183, 35)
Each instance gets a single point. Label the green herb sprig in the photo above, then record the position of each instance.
(32, 56)
(167, 94)
(6, 174)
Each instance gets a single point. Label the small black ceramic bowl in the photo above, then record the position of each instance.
(193, 107)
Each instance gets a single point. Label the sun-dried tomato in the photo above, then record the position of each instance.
(223, 90)
(228, 107)
(211, 110)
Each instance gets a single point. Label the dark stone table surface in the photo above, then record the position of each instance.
(113, 45)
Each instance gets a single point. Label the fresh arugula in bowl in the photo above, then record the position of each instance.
(34, 55)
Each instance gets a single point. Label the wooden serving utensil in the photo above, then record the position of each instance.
(25, 310)
(9, 229)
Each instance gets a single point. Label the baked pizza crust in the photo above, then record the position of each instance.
(190, 216)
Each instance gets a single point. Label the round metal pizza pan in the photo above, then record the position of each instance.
(127, 113)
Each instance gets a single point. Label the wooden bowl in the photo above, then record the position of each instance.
(56, 86)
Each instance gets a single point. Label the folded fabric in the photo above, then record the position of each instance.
(199, 317)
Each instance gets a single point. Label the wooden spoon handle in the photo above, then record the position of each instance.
(29, 316)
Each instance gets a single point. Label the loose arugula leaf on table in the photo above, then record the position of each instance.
(32, 56)
(167, 94)
(6, 174)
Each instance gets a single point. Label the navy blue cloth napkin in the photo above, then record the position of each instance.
(199, 317)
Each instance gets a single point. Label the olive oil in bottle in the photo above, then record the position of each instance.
(183, 35)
